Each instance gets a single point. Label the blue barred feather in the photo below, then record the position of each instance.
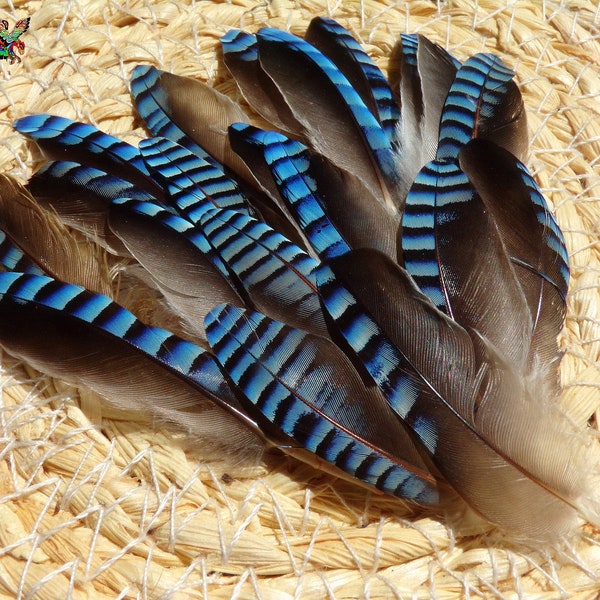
(151, 102)
(12, 258)
(364, 75)
(373, 300)
(193, 183)
(64, 139)
(265, 359)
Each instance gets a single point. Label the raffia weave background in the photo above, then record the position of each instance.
(96, 504)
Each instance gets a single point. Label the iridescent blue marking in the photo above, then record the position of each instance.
(478, 87)
(151, 100)
(368, 124)
(387, 110)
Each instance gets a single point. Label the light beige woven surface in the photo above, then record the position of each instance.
(96, 504)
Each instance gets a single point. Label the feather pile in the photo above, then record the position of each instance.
(375, 285)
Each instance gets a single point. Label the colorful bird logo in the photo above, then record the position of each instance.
(10, 44)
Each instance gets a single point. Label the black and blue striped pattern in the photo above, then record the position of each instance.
(64, 139)
(151, 100)
(289, 162)
(177, 355)
(410, 47)
(553, 236)
(394, 377)
(194, 184)
(345, 51)
(351, 362)
(372, 132)
(279, 277)
(438, 186)
(240, 44)
(479, 86)
(275, 368)
(87, 179)
(12, 258)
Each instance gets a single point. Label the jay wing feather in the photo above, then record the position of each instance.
(446, 230)
(464, 404)
(81, 196)
(152, 104)
(193, 183)
(63, 139)
(47, 242)
(87, 335)
(339, 121)
(289, 163)
(12, 258)
(171, 104)
(240, 54)
(303, 386)
(176, 256)
(485, 102)
(532, 239)
(437, 71)
(277, 277)
(425, 75)
(248, 142)
(336, 42)
(359, 218)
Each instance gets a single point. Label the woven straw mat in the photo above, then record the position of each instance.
(98, 504)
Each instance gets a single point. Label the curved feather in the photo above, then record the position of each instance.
(458, 398)
(483, 101)
(531, 236)
(448, 233)
(81, 196)
(425, 76)
(365, 77)
(359, 218)
(64, 139)
(289, 163)
(339, 121)
(303, 385)
(277, 277)
(87, 335)
(190, 113)
(152, 104)
(194, 184)
(240, 54)
(177, 256)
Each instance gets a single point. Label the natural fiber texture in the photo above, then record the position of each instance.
(97, 504)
